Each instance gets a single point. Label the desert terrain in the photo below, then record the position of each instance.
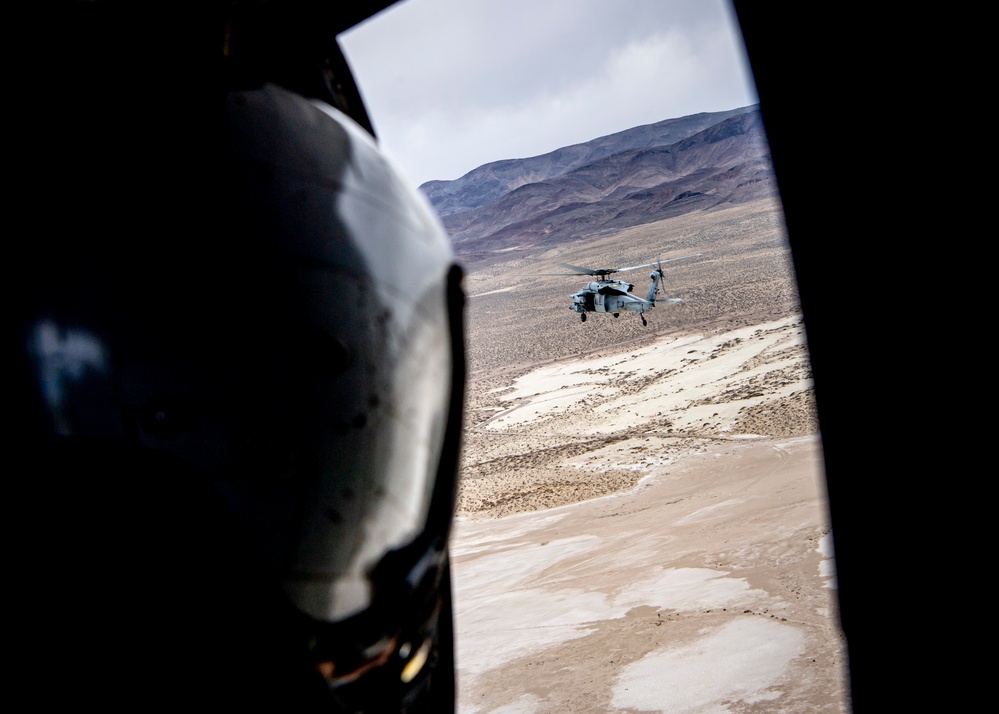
(642, 521)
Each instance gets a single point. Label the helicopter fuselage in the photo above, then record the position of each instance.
(615, 296)
(612, 296)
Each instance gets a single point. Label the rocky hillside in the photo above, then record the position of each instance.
(493, 180)
(627, 179)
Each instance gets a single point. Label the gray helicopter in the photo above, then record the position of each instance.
(615, 296)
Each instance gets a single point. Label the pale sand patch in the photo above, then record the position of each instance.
(743, 660)
(535, 441)
(706, 589)
(692, 379)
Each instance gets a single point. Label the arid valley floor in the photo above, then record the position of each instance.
(642, 521)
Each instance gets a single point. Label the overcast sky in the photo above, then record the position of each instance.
(454, 84)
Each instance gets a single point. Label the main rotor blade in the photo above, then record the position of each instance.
(636, 267)
(589, 271)
(660, 262)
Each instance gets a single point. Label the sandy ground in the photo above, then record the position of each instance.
(645, 530)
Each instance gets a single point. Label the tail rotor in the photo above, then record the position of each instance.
(657, 282)
(662, 281)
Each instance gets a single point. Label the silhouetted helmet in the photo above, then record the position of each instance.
(240, 409)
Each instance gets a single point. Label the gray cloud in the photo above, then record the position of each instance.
(451, 84)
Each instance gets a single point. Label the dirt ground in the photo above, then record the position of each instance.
(642, 520)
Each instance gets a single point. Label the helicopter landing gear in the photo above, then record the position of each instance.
(644, 321)
(582, 317)
(617, 314)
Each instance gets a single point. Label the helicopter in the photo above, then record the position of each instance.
(615, 296)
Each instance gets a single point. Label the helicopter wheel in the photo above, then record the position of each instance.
(582, 317)
(617, 314)
(644, 321)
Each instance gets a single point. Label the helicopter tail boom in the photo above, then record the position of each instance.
(656, 276)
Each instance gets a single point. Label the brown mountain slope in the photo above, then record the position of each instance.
(493, 180)
(726, 164)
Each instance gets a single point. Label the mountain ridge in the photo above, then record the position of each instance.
(490, 181)
(722, 159)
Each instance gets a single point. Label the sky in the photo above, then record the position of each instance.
(451, 85)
